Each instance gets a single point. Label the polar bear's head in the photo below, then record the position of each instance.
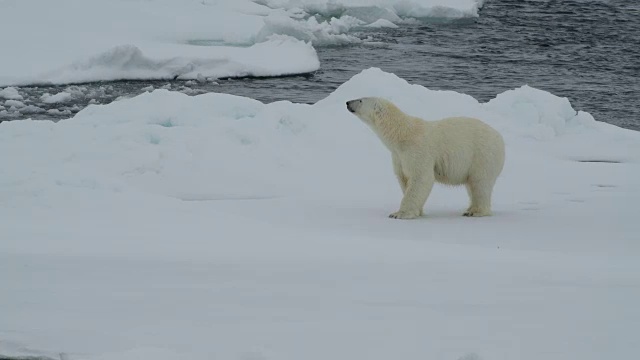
(370, 109)
(364, 108)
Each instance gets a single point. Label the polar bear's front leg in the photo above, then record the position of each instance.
(397, 169)
(418, 190)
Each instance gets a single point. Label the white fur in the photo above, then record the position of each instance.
(453, 151)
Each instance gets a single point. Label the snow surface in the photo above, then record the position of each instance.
(76, 41)
(169, 226)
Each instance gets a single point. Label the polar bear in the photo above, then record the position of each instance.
(452, 151)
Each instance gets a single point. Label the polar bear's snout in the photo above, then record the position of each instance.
(353, 105)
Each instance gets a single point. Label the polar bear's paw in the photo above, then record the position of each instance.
(404, 215)
(474, 212)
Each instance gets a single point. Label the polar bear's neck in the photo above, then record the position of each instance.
(394, 127)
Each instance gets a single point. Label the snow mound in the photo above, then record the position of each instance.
(542, 114)
(10, 93)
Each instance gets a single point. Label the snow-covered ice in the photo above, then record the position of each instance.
(88, 40)
(130, 62)
(78, 41)
(168, 226)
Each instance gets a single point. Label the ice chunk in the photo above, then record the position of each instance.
(57, 98)
(59, 112)
(10, 93)
(14, 103)
(332, 32)
(31, 109)
(382, 23)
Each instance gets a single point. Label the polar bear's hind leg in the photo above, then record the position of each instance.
(480, 196)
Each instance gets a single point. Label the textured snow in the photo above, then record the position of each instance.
(169, 226)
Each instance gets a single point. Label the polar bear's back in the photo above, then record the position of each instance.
(465, 148)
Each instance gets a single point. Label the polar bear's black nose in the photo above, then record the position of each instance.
(349, 106)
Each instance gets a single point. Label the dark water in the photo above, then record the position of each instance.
(585, 50)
